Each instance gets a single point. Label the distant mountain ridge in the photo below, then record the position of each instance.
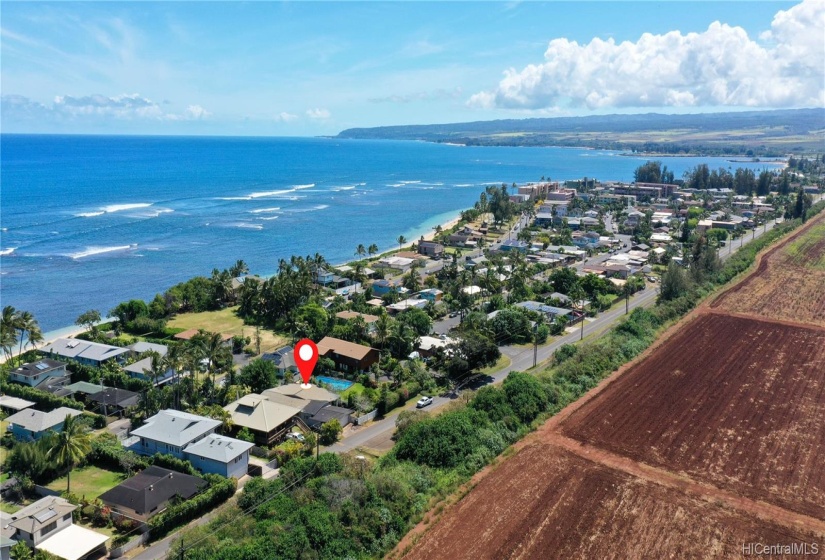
(804, 126)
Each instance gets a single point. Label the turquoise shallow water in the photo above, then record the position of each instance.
(89, 221)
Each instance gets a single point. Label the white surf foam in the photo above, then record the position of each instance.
(265, 210)
(90, 251)
(244, 225)
(270, 193)
(89, 214)
(121, 207)
(268, 219)
(307, 186)
(6, 252)
(409, 182)
(339, 189)
(463, 185)
(234, 198)
(312, 209)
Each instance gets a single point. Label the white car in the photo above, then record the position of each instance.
(297, 436)
(424, 401)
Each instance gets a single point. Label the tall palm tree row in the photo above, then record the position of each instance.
(18, 327)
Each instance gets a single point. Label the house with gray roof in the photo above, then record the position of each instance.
(169, 431)
(41, 373)
(29, 424)
(11, 404)
(219, 454)
(85, 352)
(47, 525)
(112, 400)
(142, 369)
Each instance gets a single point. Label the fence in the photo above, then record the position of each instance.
(121, 550)
(364, 418)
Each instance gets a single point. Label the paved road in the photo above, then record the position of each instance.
(521, 359)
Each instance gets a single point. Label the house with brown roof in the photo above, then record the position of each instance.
(347, 356)
(267, 419)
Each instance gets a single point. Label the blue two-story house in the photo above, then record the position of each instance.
(31, 425)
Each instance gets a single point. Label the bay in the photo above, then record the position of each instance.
(89, 221)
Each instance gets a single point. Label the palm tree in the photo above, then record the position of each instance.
(25, 323)
(372, 249)
(35, 337)
(174, 361)
(382, 328)
(69, 446)
(8, 330)
(212, 349)
(401, 240)
(238, 269)
(360, 250)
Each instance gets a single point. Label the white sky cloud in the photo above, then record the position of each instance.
(124, 107)
(283, 116)
(318, 114)
(721, 66)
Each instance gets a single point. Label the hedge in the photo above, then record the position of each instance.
(220, 489)
(173, 463)
(41, 398)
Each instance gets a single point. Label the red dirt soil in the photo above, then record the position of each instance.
(739, 403)
(546, 502)
(783, 286)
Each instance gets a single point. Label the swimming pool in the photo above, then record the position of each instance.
(336, 384)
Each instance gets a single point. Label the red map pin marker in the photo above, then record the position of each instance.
(306, 356)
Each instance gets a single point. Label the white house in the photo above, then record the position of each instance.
(41, 373)
(30, 424)
(169, 431)
(219, 454)
(47, 525)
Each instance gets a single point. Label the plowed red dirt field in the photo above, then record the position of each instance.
(789, 283)
(546, 502)
(733, 401)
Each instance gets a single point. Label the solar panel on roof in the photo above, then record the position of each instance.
(41, 366)
(45, 515)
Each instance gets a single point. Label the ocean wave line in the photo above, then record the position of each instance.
(91, 251)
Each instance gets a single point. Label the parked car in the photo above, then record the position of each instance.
(453, 314)
(297, 436)
(424, 401)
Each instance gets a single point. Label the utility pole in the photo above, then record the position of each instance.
(582, 308)
(535, 343)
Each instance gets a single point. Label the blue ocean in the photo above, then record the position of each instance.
(89, 221)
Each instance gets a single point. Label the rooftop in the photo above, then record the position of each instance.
(219, 448)
(37, 421)
(73, 542)
(113, 396)
(83, 349)
(141, 347)
(343, 348)
(14, 403)
(295, 390)
(346, 315)
(175, 428)
(37, 368)
(34, 516)
(259, 413)
(151, 488)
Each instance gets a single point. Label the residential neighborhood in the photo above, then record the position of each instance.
(166, 412)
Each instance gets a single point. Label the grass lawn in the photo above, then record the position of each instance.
(226, 321)
(355, 389)
(89, 481)
(6, 507)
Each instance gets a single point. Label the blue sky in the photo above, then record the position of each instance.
(300, 68)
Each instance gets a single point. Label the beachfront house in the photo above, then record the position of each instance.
(149, 492)
(31, 425)
(41, 373)
(383, 287)
(430, 248)
(85, 352)
(47, 525)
